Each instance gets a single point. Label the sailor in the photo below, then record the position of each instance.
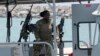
(43, 33)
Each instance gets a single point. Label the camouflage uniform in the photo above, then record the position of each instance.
(43, 33)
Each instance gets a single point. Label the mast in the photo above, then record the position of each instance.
(54, 25)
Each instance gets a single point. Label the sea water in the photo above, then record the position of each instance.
(16, 29)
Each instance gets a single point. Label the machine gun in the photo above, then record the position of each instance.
(24, 31)
(60, 28)
(61, 44)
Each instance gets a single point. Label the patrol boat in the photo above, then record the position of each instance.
(83, 14)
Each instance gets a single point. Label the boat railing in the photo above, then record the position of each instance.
(70, 41)
(52, 52)
(80, 41)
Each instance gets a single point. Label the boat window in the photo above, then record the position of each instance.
(88, 35)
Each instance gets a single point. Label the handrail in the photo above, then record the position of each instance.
(52, 52)
(79, 41)
(70, 41)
